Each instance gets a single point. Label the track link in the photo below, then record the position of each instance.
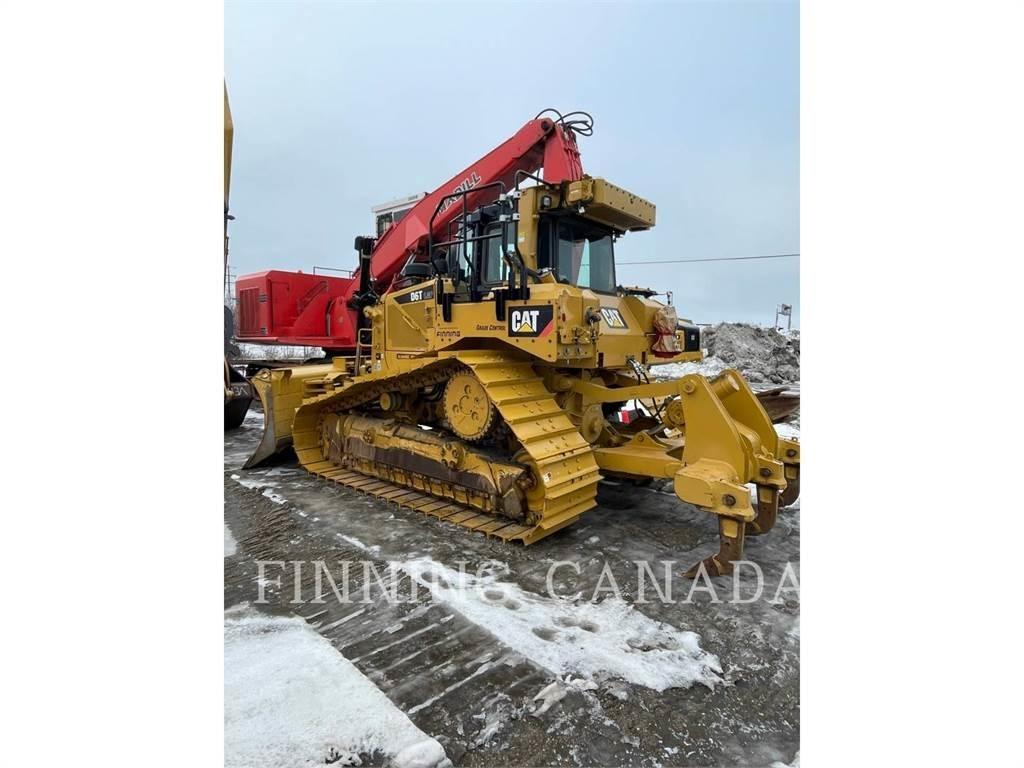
(443, 509)
(350, 393)
(564, 463)
(562, 459)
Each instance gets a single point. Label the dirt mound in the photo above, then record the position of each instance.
(762, 355)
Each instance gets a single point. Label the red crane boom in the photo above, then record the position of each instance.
(277, 307)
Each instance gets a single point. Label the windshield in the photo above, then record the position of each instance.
(583, 255)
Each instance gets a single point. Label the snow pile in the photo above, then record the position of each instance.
(709, 367)
(290, 699)
(594, 641)
(760, 354)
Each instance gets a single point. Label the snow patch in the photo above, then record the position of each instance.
(549, 696)
(794, 764)
(230, 545)
(553, 693)
(794, 631)
(788, 431)
(374, 550)
(422, 754)
(259, 483)
(290, 699)
(253, 417)
(256, 481)
(594, 641)
(709, 367)
(274, 497)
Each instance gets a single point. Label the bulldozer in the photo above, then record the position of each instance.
(481, 353)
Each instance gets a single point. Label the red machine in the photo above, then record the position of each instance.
(276, 307)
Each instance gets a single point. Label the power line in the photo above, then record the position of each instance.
(723, 258)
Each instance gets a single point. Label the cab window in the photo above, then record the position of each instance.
(583, 254)
(495, 268)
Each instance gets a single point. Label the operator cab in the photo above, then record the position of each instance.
(579, 251)
(569, 234)
(479, 251)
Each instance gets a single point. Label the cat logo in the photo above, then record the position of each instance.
(531, 321)
(612, 317)
(525, 320)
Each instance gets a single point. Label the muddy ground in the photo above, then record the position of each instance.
(460, 683)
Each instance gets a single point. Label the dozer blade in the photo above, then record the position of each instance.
(280, 392)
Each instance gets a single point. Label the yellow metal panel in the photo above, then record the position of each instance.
(611, 205)
(229, 134)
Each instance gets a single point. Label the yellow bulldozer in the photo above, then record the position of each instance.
(483, 351)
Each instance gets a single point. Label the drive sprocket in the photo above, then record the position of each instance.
(468, 410)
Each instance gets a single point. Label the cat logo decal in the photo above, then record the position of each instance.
(531, 321)
(612, 317)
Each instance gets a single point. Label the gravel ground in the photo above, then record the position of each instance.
(540, 679)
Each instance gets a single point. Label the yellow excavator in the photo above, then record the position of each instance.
(237, 391)
(482, 354)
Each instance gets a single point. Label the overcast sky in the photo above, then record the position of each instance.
(341, 106)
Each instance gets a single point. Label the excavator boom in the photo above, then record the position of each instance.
(539, 143)
(278, 307)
